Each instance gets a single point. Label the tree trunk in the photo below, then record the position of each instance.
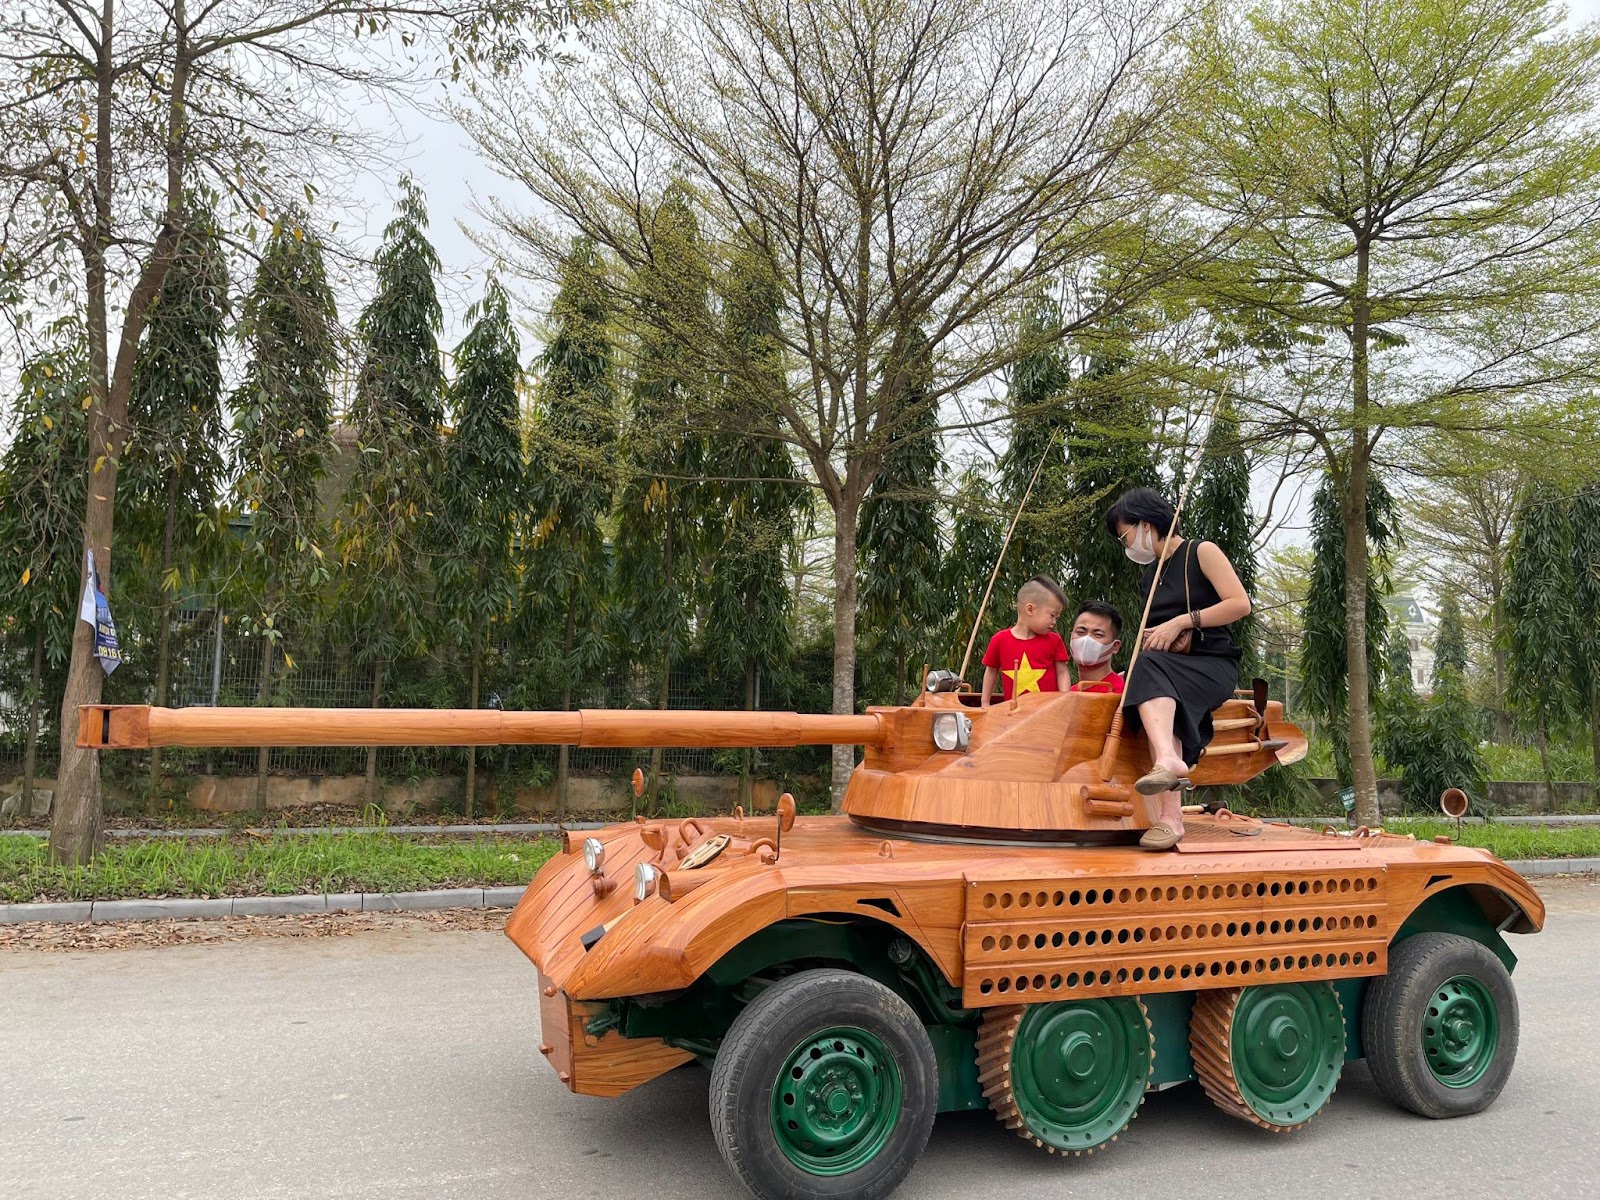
(653, 793)
(564, 751)
(30, 754)
(844, 638)
(372, 751)
(472, 751)
(1502, 660)
(1594, 733)
(263, 695)
(163, 636)
(746, 790)
(1363, 773)
(1544, 765)
(77, 815)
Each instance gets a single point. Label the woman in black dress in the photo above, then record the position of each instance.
(1188, 664)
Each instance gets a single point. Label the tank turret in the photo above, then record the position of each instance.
(1034, 768)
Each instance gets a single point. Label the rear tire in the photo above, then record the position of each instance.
(1441, 1027)
(826, 1086)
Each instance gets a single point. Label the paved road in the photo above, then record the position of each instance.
(402, 1064)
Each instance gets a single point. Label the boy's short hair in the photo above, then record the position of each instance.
(1039, 587)
(1101, 609)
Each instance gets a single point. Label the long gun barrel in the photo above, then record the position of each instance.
(139, 726)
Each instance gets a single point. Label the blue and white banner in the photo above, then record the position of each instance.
(95, 609)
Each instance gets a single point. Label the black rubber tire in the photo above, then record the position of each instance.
(755, 1050)
(1393, 1013)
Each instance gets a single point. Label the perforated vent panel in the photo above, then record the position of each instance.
(1040, 940)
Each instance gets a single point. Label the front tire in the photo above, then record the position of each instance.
(1441, 1027)
(826, 1086)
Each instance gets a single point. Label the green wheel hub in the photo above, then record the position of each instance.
(1079, 1069)
(1460, 1032)
(836, 1101)
(1287, 1047)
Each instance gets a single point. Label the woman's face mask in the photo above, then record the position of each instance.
(1142, 549)
(1089, 651)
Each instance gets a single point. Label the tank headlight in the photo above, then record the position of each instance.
(594, 855)
(646, 879)
(952, 731)
(942, 681)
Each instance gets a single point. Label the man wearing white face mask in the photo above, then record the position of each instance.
(1188, 664)
(1096, 638)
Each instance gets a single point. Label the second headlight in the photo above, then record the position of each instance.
(952, 731)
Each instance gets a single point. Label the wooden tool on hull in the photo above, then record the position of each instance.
(1031, 769)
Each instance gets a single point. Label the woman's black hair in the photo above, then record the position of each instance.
(1140, 504)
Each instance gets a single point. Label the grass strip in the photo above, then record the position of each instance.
(1507, 841)
(325, 861)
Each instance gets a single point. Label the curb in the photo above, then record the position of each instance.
(259, 906)
(495, 897)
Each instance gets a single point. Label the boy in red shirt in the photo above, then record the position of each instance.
(1030, 656)
(1096, 637)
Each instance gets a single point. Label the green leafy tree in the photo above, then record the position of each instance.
(1458, 530)
(1040, 420)
(1433, 744)
(1542, 615)
(176, 465)
(1399, 686)
(397, 414)
(1585, 522)
(1109, 449)
(900, 599)
(41, 507)
(758, 495)
(1220, 513)
(1324, 660)
(1450, 643)
(898, 176)
(1421, 176)
(481, 496)
(282, 412)
(572, 477)
(662, 502)
(114, 114)
(976, 529)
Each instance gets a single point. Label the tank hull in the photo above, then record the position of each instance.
(1242, 903)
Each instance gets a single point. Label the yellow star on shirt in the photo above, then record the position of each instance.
(1025, 678)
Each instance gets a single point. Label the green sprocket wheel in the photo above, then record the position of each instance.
(1271, 1054)
(1068, 1075)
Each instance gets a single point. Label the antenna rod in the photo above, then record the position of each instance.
(983, 604)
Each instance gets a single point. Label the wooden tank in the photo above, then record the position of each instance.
(976, 930)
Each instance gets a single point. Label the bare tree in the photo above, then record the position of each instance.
(112, 110)
(907, 164)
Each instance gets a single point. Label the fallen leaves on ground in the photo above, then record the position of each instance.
(140, 935)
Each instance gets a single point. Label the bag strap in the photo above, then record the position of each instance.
(1188, 600)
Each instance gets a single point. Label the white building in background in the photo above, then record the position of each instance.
(1419, 629)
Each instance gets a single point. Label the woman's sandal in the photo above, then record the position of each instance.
(1160, 837)
(1161, 780)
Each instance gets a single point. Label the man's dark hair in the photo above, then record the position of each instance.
(1051, 586)
(1101, 609)
(1140, 504)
